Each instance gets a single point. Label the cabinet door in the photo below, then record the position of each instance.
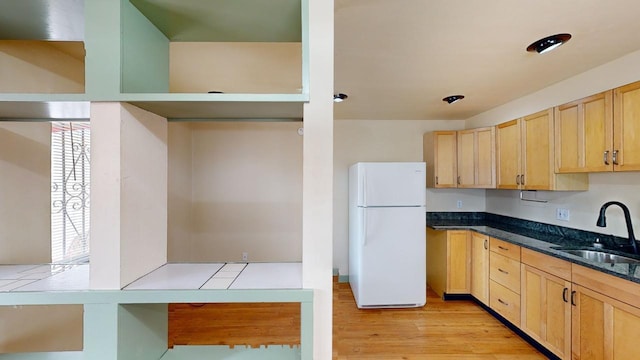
(480, 267)
(439, 151)
(466, 158)
(584, 135)
(546, 311)
(626, 128)
(603, 328)
(537, 148)
(485, 152)
(508, 155)
(458, 264)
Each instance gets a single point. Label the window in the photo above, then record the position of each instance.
(70, 206)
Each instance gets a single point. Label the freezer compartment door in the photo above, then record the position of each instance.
(391, 184)
(393, 258)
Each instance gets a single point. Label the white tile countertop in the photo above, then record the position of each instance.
(222, 276)
(170, 276)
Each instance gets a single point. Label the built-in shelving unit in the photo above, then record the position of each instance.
(125, 51)
(76, 55)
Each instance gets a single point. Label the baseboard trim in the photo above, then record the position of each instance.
(517, 330)
(457, 297)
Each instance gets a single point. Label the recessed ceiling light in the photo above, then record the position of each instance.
(453, 98)
(340, 97)
(549, 43)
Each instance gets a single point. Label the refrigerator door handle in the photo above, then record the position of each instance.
(364, 228)
(364, 189)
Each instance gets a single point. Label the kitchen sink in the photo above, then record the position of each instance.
(601, 256)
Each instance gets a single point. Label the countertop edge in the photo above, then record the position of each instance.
(623, 271)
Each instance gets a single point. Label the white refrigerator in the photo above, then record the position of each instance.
(387, 234)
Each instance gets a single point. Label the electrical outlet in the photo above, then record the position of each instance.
(245, 256)
(562, 214)
(459, 204)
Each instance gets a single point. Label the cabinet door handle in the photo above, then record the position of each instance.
(573, 298)
(565, 292)
(606, 157)
(458, 180)
(522, 179)
(436, 180)
(615, 157)
(485, 244)
(503, 271)
(503, 302)
(517, 179)
(503, 248)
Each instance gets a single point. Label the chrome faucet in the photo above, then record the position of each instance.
(602, 222)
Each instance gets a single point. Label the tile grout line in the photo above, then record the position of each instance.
(235, 278)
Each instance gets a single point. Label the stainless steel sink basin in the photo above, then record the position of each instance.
(601, 256)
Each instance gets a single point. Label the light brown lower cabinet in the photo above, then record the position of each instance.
(504, 279)
(575, 319)
(480, 267)
(448, 261)
(604, 326)
(546, 307)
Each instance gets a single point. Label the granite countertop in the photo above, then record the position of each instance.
(544, 238)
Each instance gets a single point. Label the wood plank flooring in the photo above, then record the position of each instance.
(440, 330)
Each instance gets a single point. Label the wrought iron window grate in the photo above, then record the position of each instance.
(70, 189)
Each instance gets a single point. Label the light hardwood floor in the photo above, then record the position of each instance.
(440, 330)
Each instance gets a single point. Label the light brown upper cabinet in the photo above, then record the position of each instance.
(463, 159)
(525, 156)
(625, 154)
(476, 158)
(599, 133)
(439, 150)
(584, 134)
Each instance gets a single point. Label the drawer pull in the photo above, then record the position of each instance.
(503, 302)
(565, 292)
(485, 244)
(503, 248)
(573, 298)
(504, 272)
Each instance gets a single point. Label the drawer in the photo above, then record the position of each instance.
(546, 263)
(504, 248)
(505, 302)
(505, 271)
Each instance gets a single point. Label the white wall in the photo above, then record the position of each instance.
(25, 192)
(583, 205)
(40, 328)
(270, 68)
(129, 194)
(39, 67)
(603, 187)
(179, 245)
(143, 193)
(386, 140)
(235, 187)
(25, 238)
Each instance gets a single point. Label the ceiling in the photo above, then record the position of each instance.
(398, 59)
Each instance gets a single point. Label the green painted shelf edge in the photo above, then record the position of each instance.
(155, 296)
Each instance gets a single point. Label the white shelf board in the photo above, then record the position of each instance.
(68, 278)
(270, 276)
(176, 276)
(13, 272)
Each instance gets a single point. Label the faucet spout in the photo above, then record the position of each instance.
(602, 222)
